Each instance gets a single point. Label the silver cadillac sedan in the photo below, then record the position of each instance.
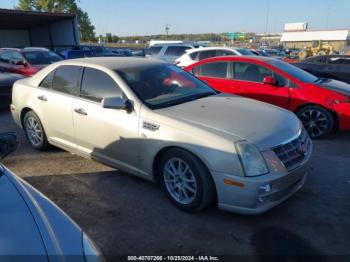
(158, 122)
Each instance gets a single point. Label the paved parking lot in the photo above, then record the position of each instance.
(128, 216)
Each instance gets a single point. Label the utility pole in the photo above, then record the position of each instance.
(328, 15)
(167, 28)
(267, 19)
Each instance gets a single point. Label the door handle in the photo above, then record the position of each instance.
(42, 98)
(80, 111)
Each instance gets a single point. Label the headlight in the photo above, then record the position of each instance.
(252, 161)
(91, 252)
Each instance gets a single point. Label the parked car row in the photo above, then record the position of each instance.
(184, 129)
(172, 128)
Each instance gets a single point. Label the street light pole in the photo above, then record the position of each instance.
(267, 20)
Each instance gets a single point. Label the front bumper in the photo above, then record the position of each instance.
(250, 198)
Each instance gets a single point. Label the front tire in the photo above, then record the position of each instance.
(318, 121)
(186, 180)
(35, 132)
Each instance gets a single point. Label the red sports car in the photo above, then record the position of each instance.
(321, 104)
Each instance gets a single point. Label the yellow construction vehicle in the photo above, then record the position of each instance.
(317, 48)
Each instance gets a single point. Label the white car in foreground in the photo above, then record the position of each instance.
(158, 122)
(194, 55)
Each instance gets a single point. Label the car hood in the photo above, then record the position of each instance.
(31, 224)
(19, 234)
(334, 85)
(242, 118)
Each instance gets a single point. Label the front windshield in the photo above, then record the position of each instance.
(41, 57)
(160, 86)
(294, 71)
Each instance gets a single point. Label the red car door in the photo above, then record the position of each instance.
(248, 80)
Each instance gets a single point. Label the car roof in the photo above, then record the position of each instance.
(169, 44)
(24, 49)
(211, 48)
(35, 49)
(239, 58)
(113, 63)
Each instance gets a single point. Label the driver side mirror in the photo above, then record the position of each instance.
(269, 80)
(117, 103)
(8, 144)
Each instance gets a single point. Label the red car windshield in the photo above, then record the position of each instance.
(41, 57)
(293, 71)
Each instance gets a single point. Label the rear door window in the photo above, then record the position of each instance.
(207, 54)
(194, 56)
(67, 79)
(216, 69)
(224, 53)
(97, 85)
(176, 50)
(154, 50)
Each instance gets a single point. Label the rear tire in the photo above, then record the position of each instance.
(35, 132)
(318, 121)
(185, 180)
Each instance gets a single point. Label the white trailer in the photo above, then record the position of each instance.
(25, 28)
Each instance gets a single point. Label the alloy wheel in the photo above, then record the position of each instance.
(34, 132)
(180, 181)
(315, 122)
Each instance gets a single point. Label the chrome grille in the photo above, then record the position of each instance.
(294, 153)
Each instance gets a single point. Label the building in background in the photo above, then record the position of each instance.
(297, 35)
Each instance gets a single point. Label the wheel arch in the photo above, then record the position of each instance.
(24, 111)
(334, 114)
(161, 152)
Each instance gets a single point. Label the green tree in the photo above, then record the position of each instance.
(87, 32)
(115, 38)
